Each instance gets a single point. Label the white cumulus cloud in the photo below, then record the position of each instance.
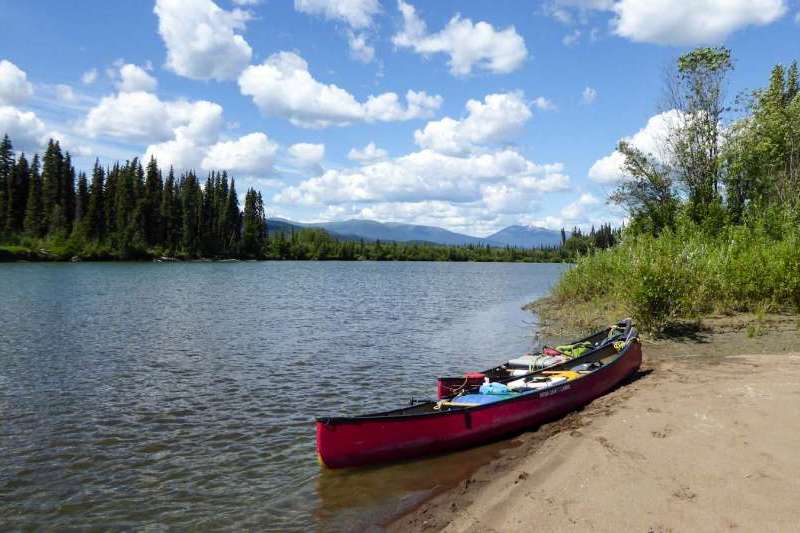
(667, 22)
(203, 40)
(65, 94)
(427, 175)
(283, 86)
(691, 22)
(650, 140)
(252, 154)
(24, 128)
(356, 13)
(469, 45)
(577, 210)
(307, 155)
(133, 78)
(142, 116)
(585, 211)
(475, 193)
(89, 77)
(369, 154)
(14, 85)
(360, 49)
(544, 104)
(589, 95)
(499, 118)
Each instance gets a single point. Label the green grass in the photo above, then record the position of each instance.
(686, 275)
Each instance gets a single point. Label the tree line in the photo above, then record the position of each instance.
(318, 244)
(579, 243)
(131, 211)
(126, 210)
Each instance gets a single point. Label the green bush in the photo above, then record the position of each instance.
(691, 272)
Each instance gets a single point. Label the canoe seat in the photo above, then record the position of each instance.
(523, 384)
(586, 368)
(567, 374)
(470, 400)
(536, 361)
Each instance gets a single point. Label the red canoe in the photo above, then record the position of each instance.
(435, 427)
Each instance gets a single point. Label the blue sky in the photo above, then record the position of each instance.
(466, 115)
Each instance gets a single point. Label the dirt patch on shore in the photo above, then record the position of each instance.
(704, 438)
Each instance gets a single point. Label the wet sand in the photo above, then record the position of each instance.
(697, 441)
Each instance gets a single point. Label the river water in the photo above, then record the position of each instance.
(182, 396)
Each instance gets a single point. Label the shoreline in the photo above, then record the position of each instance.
(38, 257)
(639, 439)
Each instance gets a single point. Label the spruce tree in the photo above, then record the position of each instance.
(254, 228)
(124, 206)
(152, 202)
(52, 172)
(191, 207)
(109, 198)
(170, 213)
(68, 190)
(207, 217)
(17, 196)
(34, 209)
(94, 220)
(81, 200)
(233, 221)
(6, 178)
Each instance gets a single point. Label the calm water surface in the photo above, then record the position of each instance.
(182, 395)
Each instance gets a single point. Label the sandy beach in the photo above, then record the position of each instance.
(703, 439)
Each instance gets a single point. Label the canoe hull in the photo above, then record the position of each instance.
(360, 441)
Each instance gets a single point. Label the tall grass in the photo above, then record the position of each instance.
(690, 273)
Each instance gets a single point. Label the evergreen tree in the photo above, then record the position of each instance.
(191, 209)
(94, 220)
(128, 234)
(232, 220)
(170, 214)
(6, 178)
(34, 208)
(208, 243)
(165, 213)
(254, 226)
(52, 174)
(153, 186)
(81, 200)
(109, 197)
(68, 190)
(17, 196)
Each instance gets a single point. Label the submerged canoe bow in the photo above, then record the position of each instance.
(436, 427)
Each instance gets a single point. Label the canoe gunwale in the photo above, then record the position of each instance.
(602, 335)
(387, 415)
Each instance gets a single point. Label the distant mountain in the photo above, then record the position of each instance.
(370, 230)
(527, 236)
(281, 225)
(394, 231)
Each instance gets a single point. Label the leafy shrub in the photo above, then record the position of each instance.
(691, 272)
